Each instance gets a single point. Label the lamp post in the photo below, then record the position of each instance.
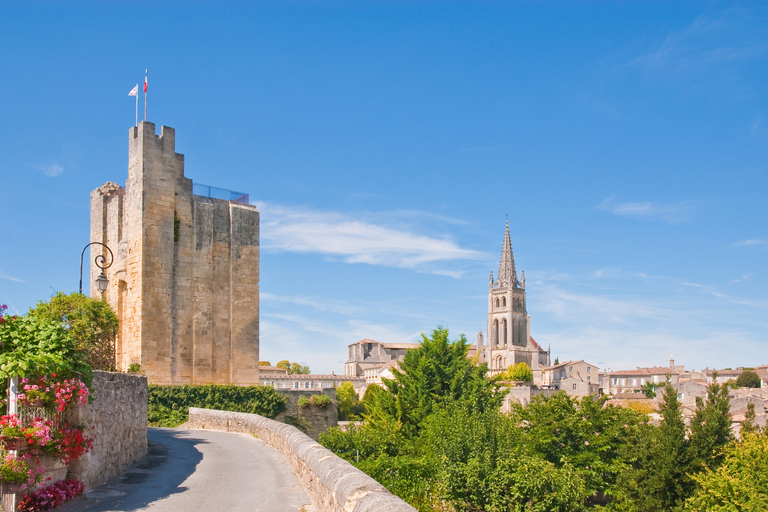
(99, 260)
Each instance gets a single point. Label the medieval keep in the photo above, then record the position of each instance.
(185, 277)
(509, 330)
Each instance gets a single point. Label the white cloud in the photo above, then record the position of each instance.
(645, 210)
(51, 169)
(10, 278)
(356, 240)
(713, 41)
(750, 243)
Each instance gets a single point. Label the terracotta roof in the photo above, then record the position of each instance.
(536, 345)
(314, 376)
(386, 345)
(562, 364)
(654, 370)
(722, 372)
(401, 345)
(272, 368)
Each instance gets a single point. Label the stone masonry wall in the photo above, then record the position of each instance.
(315, 419)
(117, 419)
(333, 484)
(185, 277)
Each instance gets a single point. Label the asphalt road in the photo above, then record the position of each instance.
(200, 470)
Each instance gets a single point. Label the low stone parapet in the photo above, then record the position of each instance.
(333, 484)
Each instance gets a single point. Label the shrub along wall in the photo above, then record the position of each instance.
(117, 421)
(311, 416)
(169, 405)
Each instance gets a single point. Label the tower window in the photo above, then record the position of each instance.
(504, 301)
(497, 302)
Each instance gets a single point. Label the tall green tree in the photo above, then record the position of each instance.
(438, 370)
(749, 426)
(656, 477)
(91, 322)
(710, 427)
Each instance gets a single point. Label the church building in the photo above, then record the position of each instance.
(509, 326)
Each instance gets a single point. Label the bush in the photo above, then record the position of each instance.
(169, 405)
(748, 379)
(91, 322)
(318, 400)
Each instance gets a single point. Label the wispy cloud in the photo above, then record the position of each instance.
(10, 278)
(646, 210)
(744, 277)
(317, 303)
(357, 240)
(751, 243)
(52, 170)
(713, 40)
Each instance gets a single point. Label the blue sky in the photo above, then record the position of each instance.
(385, 143)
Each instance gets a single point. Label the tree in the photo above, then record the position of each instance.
(293, 368)
(91, 322)
(748, 426)
(30, 346)
(519, 372)
(265, 363)
(649, 389)
(436, 371)
(711, 426)
(658, 460)
(347, 402)
(748, 379)
(740, 483)
(557, 361)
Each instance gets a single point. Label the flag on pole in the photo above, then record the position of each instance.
(134, 91)
(145, 95)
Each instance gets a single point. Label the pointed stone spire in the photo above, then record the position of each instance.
(507, 272)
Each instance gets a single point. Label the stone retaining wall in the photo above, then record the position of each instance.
(333, 484)
(117, 420)
(314, 420)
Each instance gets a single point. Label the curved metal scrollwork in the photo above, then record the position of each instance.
(100, 260)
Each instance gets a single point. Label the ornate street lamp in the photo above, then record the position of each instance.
(99, 260)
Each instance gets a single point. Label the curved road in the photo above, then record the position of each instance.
(200, 470)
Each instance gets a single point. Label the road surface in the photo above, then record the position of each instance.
(200, 470)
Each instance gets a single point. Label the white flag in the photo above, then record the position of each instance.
(134, 91)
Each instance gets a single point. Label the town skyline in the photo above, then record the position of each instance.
(384, 146)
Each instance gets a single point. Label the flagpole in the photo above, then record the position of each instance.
(137, 104)
(145, 95)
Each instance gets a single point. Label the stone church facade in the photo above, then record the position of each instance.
(508, 332)
(185, 277)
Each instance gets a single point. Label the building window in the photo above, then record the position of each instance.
(307, 384)
(505, 331)
(574, 387)
(570, 368)
(497, 302)
(615, 382)
(589, 368)
(504, 301)
(588, 378)
(295, 385)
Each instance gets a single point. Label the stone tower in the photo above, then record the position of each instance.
(185, 278)
(509, 331)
